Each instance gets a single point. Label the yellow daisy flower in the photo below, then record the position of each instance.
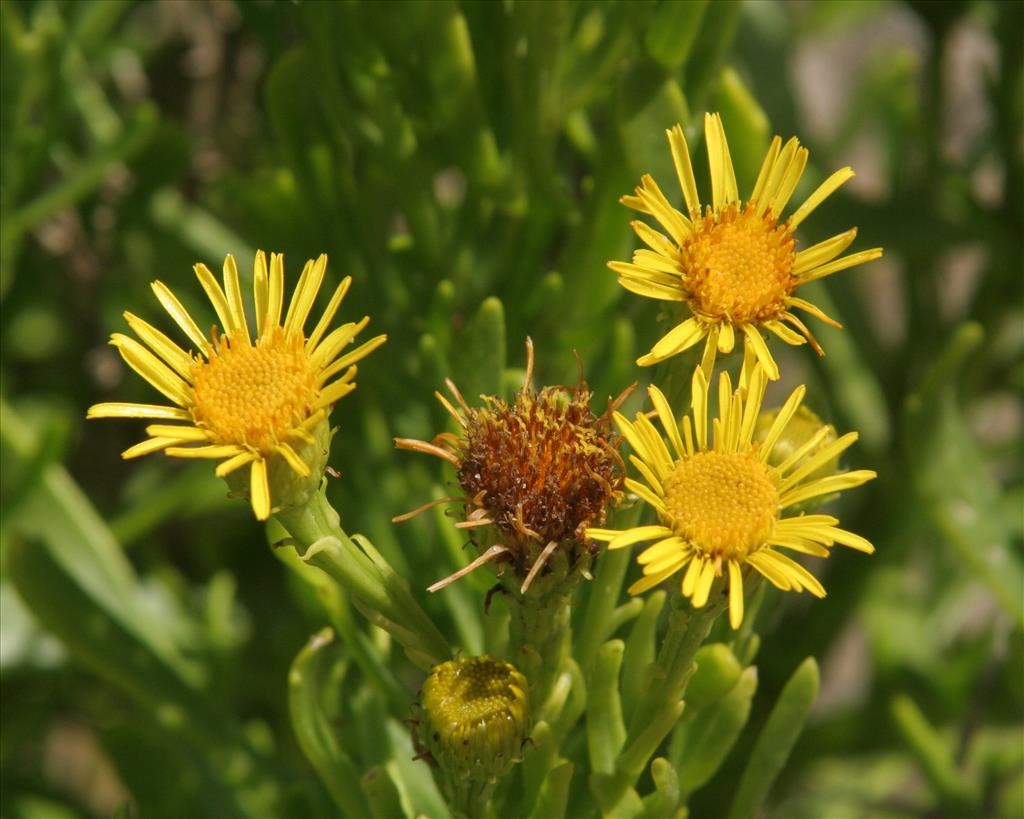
(720, 501)
(260, 403)
(734, 265)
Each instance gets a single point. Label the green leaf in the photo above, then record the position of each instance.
(776, 741)
(704, 741)
(483, 359)
(745, 123)
(640, 652)
(665, 798)
(412, 777)
(717, 672)
(935, 756)
(101, 642)
(315, 673)
(554, 795)
(606, 732)
(672, 32)
(957, 487)
(381, 794)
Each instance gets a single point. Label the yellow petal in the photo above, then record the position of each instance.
(754, 338)
(216, 296)
(638, 534)
(824, 190)
(679, 338)
(782, 419)
(845, 262)
(684, 170)
(233, 295)
(735, 595)
(328, 316)
(304, 296)
(260, 489)
(822, 252)
(119, 410)
(260, 291)
(180, 315)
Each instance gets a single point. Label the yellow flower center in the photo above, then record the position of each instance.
(739, 266)
(724, 503)
(255, 395)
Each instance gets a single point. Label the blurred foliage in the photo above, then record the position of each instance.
(463, 162)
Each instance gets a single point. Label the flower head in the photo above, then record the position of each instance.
(260, 403)
(534, 473)
(721, 501)
(733, 264)
(474, 717)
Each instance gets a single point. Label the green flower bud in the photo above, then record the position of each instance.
(802, 427)
(474, 717)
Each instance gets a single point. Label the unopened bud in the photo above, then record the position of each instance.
(475, 717)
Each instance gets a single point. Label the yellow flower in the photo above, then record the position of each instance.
(721, 501)
(260, 403)
(734, 265)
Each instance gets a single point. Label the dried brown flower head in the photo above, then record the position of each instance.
(534, 473)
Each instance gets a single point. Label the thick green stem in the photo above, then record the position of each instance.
(670, 673)
(540, 638)
(381, 595)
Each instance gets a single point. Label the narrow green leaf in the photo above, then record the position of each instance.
(662, 803)
(483, 359)
(672, 31)
(746, 124)
(935, 757)
(640, 652)
(312, 671)
(717, 672)
(704, 741)
(776, 741)
(959, 491)
(718, 28)
(606, 732)
(381, 794)
(554, 795)
(416, 787)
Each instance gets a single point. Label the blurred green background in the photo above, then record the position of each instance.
(463, 162)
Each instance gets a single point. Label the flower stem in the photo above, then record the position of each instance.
(670, 673)
(373, 586)
(540, 630)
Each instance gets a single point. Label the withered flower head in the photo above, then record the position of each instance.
(535, 473)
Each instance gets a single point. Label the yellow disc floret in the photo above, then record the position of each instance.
(724, 503)
(739, 266)
(475, 716)
(254, 395)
